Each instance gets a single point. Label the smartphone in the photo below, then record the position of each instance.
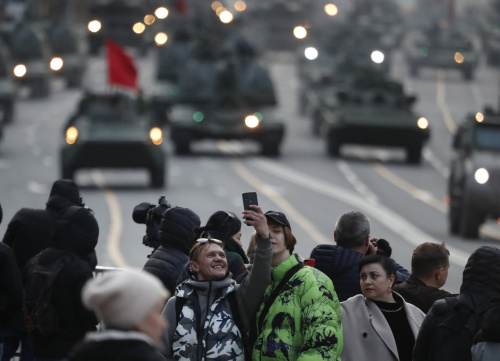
(309, 262)
(249, 198)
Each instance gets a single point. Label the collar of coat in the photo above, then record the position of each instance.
(280, 270)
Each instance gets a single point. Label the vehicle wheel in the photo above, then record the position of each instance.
(316, 125)
(158, 177)
(414, 154)
(333, 147)
(468, 74)
(270, 145)
(470, 221)
(68, 173)
(454, 216)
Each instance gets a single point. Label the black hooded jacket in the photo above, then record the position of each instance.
(176, 238)
(30, 229)
(75, 236)
(481, 284)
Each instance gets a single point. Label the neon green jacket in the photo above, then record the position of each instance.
(305, 320)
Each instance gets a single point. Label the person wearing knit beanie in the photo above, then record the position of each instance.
(129, 304)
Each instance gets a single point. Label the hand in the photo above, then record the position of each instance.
(256, 218)
(372, 246)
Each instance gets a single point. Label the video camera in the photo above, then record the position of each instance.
(150, 215)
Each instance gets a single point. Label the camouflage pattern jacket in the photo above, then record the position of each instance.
(305, 320)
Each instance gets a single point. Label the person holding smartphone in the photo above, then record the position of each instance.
(211, 313)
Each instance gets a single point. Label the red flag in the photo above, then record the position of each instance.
(181, 6)
(121, 67)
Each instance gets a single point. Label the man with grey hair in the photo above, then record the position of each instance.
(340, 262)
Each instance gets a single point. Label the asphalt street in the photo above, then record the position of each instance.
(405, 203)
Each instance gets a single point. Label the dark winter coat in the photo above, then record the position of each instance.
(29, 230)
(416, 292)
(341, 265)
(176, 238)
(11, 286)
(75, 235)
(486, 345)
(115, 345)
(480, 285)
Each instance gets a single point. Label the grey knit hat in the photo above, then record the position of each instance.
(122, 299)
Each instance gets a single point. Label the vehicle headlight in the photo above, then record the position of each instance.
(139, 28)
(251, 121)
(56, 64)
(71, 135)
(161, 38)
(377, 56)
(481, 176)
(156, 135)
(161, 12)
(94, 26)
(423, 123)
(300, 32)
(459, 57)
(20, 70)
(311, 53)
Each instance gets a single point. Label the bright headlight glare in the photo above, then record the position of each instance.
(481, 176)
(56, 64)
(377, 56)
(94, 26)
(251, 121)
(156, 135)
(300, 32)
(422, 123)
(161, 39)
(20, 70)
(71, 135)
(311, 53)
(161, 12)
(139, 28)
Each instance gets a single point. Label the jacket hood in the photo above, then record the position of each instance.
(482, 272)
(76, 230)
(230, 245)
(64, 193)
(177, 228)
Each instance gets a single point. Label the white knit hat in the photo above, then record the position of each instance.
(123, 298)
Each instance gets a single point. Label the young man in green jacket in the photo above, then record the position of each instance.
(300, 317)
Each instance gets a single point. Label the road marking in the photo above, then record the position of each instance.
(441, 101)
(412, 234)
(435, 162)
(360, 187)
(115, 230)
(283, 205)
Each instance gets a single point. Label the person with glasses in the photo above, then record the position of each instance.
(208, 318)
(225, 226)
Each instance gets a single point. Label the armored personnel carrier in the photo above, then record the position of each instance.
(474, 180)
(439, 47)
(373, 110)
(113, 131)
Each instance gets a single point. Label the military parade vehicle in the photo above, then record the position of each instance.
(442, 47)
(474, 180)
(373, 110)
(113, 131)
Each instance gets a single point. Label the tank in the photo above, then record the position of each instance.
(230, 98)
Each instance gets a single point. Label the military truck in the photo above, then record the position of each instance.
(113, 131)
(374, 110)
(474, 180)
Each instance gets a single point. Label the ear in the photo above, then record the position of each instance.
(438, 274)
(335, 235)
(193, 266)
(367, 240)
(392, 278)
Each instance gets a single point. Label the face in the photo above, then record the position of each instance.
(211, 263)
(375, 284)
(280, 252)
(237, 237)
(154, 323)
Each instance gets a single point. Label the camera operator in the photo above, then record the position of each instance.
(169, 230)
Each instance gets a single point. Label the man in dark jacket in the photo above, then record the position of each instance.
(450, 326)
(340, 262)
(75, 236)
(27, 234)
(429, 272)
(176, 237)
